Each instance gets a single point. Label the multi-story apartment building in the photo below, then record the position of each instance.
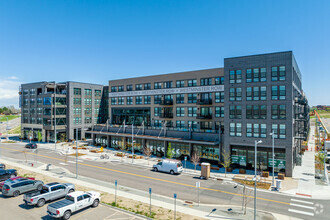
(49, 107)
(206, 111)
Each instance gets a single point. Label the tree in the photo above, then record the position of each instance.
(123, 149)
(62, 137)
(147, 152)
(169, 151)
(39, 136)
(195, 159)
(226, 160)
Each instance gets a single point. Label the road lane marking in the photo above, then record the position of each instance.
(301, 206)
(154, 178)
(301, 212)
(84, 213)
(302, 201)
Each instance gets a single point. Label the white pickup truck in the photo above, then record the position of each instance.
(73, 202)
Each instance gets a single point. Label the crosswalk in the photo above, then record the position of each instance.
(302, 207)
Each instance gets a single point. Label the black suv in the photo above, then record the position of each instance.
(6, 174)
(31, 146)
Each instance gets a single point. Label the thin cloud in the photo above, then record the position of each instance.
(9, 89)
(12, 78)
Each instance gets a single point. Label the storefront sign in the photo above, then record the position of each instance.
(196, 89)
(241, 160)
(278, 163)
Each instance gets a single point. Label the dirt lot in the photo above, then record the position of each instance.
(124, 203)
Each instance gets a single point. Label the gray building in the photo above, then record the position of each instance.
(73, 106)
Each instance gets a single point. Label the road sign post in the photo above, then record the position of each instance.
(115, 192)
(150, 202)
(174, 206)
(198, 184)
(185, 163)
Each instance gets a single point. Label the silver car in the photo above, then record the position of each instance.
(18, 187)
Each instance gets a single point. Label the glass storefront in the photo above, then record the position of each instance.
(207, 152)
(179, 150)
(117, 142)
(101, 140)
(138, 146)
(243, 156)
(157, 147)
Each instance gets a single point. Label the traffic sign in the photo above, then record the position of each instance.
(174, 195)
(116, 182)
(185, 157)
(149, 190)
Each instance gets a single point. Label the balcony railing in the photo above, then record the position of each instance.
(204, 101)
(166, 115)
(204, 116)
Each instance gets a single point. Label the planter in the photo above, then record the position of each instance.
(214, 168)
(265, 174)
(229, 169)
(242, 171)
(281, 176)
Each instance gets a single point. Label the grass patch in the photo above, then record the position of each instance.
(10, 117)
(9, 142)
(261, 185)
(16, 130)
(147, 214)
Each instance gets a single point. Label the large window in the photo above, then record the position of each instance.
(129, 87)
(235, 94)
(279, 131)
(220, 97)
(278, 73)
(147, 99)
(88, 101)
(168, 84)
(77, 120)
(235, 129)
(157, 111)
(157, 99)
(256, 130)
(192, 124)
(138, 87)
(256, 75)
(76, 91)
(206, 81)
(98, 93)
(77, 111)
(278, 112)
(256, 112)
(77, 101)
(179, 98)
(138, 100)
(88, 92)
(88, 111)
(120, 88)
(192, 98)
(121, 101)
(278, 93)
(192, 111)
(113, 88)
(207, 152)
(192, 82)
(235, 76)
(157, 85)
(129, 100)
(180, 83)
(47, 100)
(179, 112)
(180, 124)
(219, 112)
(235, 112)
(113, 101)
(219, 80)
(256, 93)
(147, 86)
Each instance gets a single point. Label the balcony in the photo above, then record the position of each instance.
(166, 115)
(166, 102)
(204, 116)
(204, 102)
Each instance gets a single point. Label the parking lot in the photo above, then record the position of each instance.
(14, 208)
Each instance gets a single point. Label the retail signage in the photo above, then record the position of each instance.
(241, 160)
(195, 89)
(278, 163)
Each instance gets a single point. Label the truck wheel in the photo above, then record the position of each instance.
(39, 188)
(41, 202)
(172, 172)
(95, 203)
(16, 193)
(67, 215)
(71, 190)
(155, 169)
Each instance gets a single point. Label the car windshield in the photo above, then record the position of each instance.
(69, 198)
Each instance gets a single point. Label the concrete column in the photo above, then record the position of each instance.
(43, 133)
(93, 138)
(108, 141)
(190, 149)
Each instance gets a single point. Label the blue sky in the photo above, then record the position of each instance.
(95, 41)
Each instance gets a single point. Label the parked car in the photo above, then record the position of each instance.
(14, 178)
(31, 146)
(2, 166)
(6, 174)
(18, 187)
(73, 202)
(169, 166)
(50, 191)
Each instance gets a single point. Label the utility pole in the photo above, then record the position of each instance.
(76, 153)
(55, 114)
(255, 177)
(132, 142)
(273, 152)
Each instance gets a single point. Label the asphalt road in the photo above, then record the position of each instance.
(12, 124)
(211, 191)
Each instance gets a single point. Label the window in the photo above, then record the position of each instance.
(129, 100)
(158, 85)
(97, 111)
(88, 111)
(138, 100)
(235, 94)
(282, 131)
(206, 81)
(121, 101)
(192, 98)
(129, 87)
(179, 83)
(157, 111)
(278, 112)
(147, 99)
(235, 76)
(98, 101)
(120, 88)
(278, 73)
(88, 101)
(180, 124)
(179, 98)
(219, 112)
(256, 130)
(138, 87)
(278, 93)
(88, 120)
(192, 82)
(113, 101)
(235, 112)
(158, 123)
(235, 129)
(168, 84)
(256, 93)
(192, 111)
(39, 111)
(98, 93)
(77, 111)
(39, 101)
(80, 198)
(77, 121)
(88, 92)
(206, 125)
(192, 124)
(263, 130)
(76, 91)
(179, 112)
(113, 89)
(248, 130)
(219, 80)
(220, 97)
(256, 112)
(279, 131)
(256, 75)
(147, 86)
(263, 93)
(157, 99)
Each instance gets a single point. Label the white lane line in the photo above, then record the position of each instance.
(301, 212)
(302, 206)
(302, 201)
(72, 161)
(63, 164)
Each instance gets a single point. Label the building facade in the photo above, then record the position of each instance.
(61, 108)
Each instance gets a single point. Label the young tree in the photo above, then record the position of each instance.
(169, 151)
(39, 136)
(147, 152)
(226, 160)
(123, 149)
(62, 137)
(195, 159)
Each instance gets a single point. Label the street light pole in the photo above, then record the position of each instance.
(273, 152)
(55, 113)
(255, 177)
(132, 143)
(76, 153)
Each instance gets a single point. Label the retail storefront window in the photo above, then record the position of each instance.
(157, 147)
(207, 152)
(138, 147)
(101, 140)
(117, 142)
(179, 150)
